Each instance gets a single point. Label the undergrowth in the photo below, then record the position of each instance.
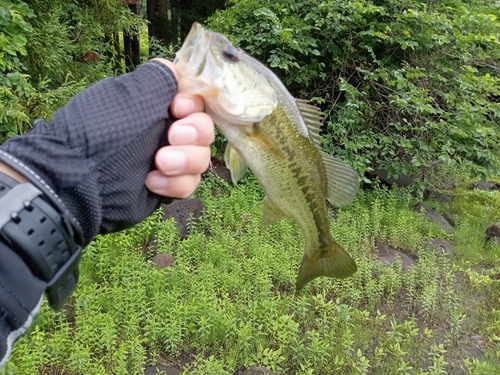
(229, 301)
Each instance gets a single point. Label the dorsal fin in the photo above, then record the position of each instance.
(343, 181)
(312, 118)
(235, 163)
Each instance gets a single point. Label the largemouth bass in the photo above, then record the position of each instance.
(277, 137)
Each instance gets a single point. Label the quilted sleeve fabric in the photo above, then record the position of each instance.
(98, 149)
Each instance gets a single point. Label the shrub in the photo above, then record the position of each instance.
(402, 85)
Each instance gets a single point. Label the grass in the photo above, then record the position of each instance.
(229, 302)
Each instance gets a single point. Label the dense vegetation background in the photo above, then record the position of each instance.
(404, 86)
(409, 86)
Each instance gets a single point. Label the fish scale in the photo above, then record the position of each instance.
(277, 138)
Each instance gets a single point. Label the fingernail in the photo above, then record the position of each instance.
(171, 161)
(183, 135)
(184, 104)
(157, 182)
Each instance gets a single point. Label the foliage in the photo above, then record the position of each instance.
(229, 301)
(402, 85)
(13, 38)
(43, 54)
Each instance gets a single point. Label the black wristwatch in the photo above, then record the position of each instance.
(41, 235)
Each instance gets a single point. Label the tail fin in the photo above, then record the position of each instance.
(334, 263)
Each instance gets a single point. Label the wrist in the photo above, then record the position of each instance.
(4, 168)
(40, 235)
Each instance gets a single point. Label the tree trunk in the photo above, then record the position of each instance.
(127, 52)
(157, 11)
(118, 53)
(131, 48)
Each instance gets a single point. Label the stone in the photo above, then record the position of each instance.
(161, 370)
(382, 249)
(391, 257)
(256, 371)
(434, 216)
(383, 175)
(493, 231)
(451, 218)
(221, 171)
(443, 245)
(163, 260)
(181, 210)
(488, 185)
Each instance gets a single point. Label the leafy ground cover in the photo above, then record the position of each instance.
(229, 302)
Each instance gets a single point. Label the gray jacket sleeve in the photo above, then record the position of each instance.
(98, 149)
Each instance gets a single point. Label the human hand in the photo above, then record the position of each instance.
(181, 163)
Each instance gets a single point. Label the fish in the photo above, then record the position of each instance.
(277, 137)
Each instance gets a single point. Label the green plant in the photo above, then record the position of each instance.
(405, 87)
(43, 49)
(229, 302)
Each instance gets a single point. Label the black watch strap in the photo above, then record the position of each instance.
(41, 236)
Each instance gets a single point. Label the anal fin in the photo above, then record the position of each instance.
(271, 213)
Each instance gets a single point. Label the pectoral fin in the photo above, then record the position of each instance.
(343, 181)
(271, 213)
(235, 163)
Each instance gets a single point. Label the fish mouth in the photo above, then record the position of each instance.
(191, 57)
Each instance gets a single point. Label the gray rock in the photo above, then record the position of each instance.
(488, 185)
(382, 249)
(163, 260)
(443, 245)
(434, 216)
(493, 232)
(161, 370)
(387, 255)
(451, 218)
(221, 171)
(256, 371)
(391, 257)
(383, 175)
(181, 210)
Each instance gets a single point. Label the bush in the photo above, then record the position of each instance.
(43, 49)
(402, 85)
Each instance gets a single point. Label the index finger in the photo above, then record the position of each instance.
(171, 66)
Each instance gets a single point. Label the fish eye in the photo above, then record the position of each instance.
(231, 54)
